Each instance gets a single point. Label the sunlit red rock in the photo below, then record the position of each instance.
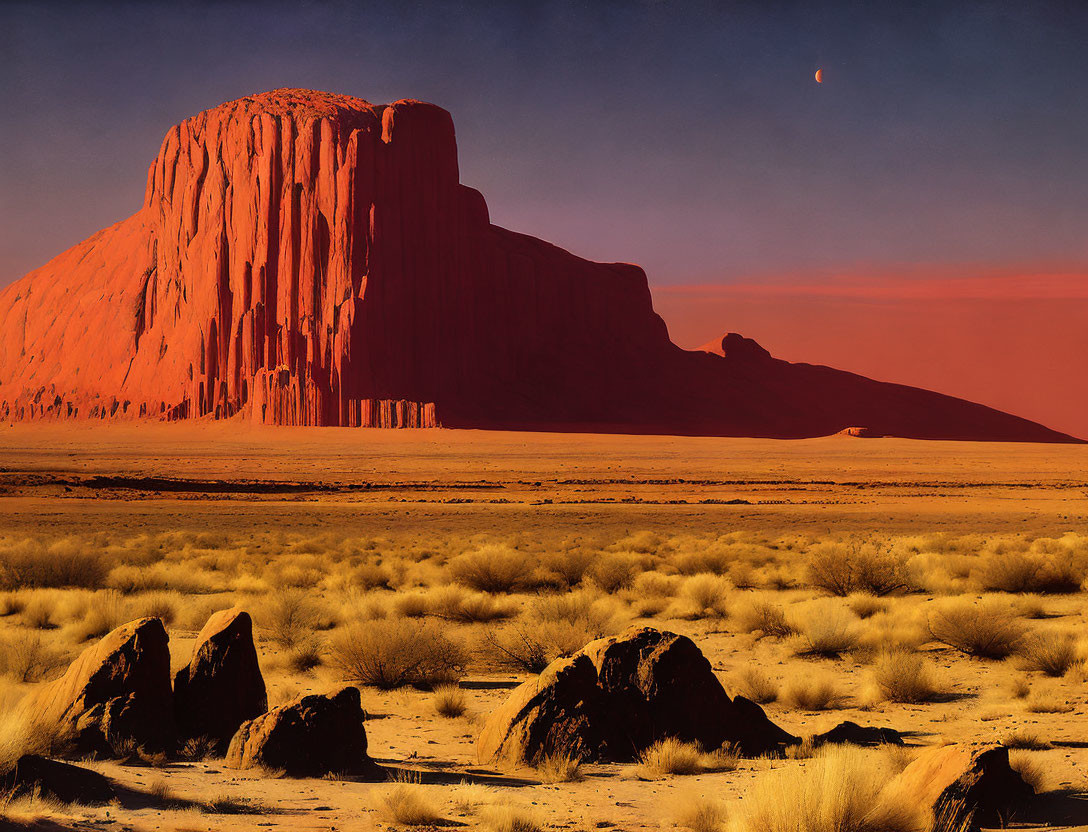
(309, 258)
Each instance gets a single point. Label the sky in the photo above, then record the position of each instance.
(938, 173)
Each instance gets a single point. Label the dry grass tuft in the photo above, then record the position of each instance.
(559, 768)
(700, 813)
(827, 631)
(703, 596)
(1030, 769)
(671, 756)
(904, 676)
(505, 817)
(986, 631)
(492, 568)
(752, 683)
(1026, 741)
(107, 611)
(1049, 653)
(763, 617)
(31, 564)
(553, 627)
(846, 568)
(842, 788)
(25, 657)
(394, 652)
(813, 693)
(449, 701)
(407, 804)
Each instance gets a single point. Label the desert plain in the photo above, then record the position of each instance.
(934, 588)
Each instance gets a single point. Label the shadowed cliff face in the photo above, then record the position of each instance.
(307, 258)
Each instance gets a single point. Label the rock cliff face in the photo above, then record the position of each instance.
(304, 258)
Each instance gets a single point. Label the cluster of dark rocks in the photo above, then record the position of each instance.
(607, 703)
(117, 699)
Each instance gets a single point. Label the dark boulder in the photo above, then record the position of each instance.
(51, 779)
(619, 695)
(312, 736)
(964, 781)
(850, 733)
(115, 697)
(222, 685)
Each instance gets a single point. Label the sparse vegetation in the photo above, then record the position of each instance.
(905, 676)
(754, 684)
(986, 631)
(394, 652)
(813, 693)
(1050, 653)
(408, 805)
(559, 768)
(671, 756)
(841, 788)
(449, 701)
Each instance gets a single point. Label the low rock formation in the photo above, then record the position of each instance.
(312, 736)
(958, 780)
(619, 695)
(306, 258)
(850, 733)
(115, 697)
(222, 685)
(32, 775)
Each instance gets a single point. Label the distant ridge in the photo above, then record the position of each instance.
(304, 258)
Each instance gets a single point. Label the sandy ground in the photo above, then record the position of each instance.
(223, 477)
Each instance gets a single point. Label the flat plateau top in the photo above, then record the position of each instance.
(227, 472)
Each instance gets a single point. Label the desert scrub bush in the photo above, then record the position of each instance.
(559, 768)
(813, 693)
(1025, 740)
(494, 567)
(671, 756)
(703, 596)
(553, 627)
(40, 612)
(106, 611)
(506, 817)
(614, 571)
(986, 631)
(160, 605)
(407, 804)
(12, 603)
(866, 606)
(1048, 701)
(655, 585)
(31, 564)
(846, 568)
(842, 789)
(453, 604)
(892, 630)
(1030, 769)
(752, 683)
(167, 575)
(763, 617)
(700, 813)
(25, 657)
(904, 676)
(566, 569)
(394, 652)
(289, 617)
(1052, 653)
(1050, 573)
(826, 630)
(449, 701)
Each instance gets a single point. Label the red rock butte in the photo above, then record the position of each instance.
(304, 258)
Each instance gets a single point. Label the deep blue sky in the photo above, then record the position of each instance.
(689, 137)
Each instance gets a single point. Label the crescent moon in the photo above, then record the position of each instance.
(819, 76)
